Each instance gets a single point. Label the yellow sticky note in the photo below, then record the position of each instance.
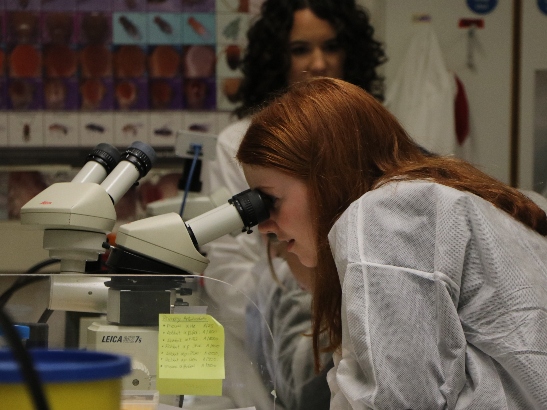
(195, 387)
(190, 346)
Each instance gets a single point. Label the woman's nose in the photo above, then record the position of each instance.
(268, 226)
(318, 63)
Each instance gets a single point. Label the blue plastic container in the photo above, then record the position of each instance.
(22, 331)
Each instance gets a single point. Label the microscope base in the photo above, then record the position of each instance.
(139, 343)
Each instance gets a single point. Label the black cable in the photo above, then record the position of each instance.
(29, 373)
(20, 353)
(45, 316)
(40, 265)
(19, 283)
(23, 281)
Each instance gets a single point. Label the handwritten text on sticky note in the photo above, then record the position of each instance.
(190, 346)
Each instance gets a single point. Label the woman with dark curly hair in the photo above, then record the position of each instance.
(290, 41)
(271, 61)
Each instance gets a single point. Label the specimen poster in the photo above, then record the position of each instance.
(74, 72)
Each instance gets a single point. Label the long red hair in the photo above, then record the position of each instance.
(342, 143)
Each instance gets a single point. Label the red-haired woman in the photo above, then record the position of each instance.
(430, 277)
(289, 41)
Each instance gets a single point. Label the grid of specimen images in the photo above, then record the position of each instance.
(120, 54)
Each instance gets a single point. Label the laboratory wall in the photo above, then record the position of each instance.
(480, 56)
(481, 59)
(532, 163)
(112, 71)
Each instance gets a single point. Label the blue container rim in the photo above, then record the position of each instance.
(57, 366)
(22, 330)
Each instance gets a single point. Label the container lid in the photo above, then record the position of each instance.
(22, 331)
(66, 366)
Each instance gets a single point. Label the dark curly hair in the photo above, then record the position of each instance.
(266, 62)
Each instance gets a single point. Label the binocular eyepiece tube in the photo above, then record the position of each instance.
(242, 212)
(116, 172)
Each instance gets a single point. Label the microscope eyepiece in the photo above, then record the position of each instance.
(106, 155)
(253, 207)
(135, 162)
(99, 163)
(141, 155)
(240, 214)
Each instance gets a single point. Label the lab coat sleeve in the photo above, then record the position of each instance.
(403, 345)
(231, 258)
(399, 361)
(278, 338)
(225, 171)
(293, 353)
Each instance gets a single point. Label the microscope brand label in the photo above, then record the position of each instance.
(121, 339)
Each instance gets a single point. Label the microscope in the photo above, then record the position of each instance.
(77, 215)
(147, 264)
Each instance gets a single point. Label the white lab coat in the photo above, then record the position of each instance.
(444, 303)
(232, 258)
(277, 325)
(273, 338)
(423, 92)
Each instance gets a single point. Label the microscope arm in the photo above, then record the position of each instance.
(158, 244)
(167, 244)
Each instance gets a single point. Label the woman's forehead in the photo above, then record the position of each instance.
(264, 177)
